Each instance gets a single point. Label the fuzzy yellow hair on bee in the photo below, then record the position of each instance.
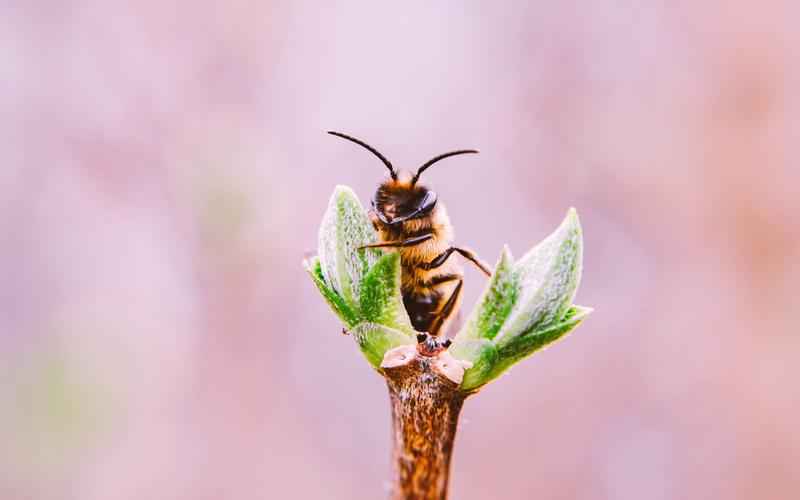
(411, 220)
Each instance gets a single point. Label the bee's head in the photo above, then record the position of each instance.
(401, 197)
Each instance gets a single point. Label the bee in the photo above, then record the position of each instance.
(410, 219)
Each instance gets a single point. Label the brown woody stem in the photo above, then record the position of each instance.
(423, 383)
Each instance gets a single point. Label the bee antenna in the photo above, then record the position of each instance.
(437, 158)
(368, 148)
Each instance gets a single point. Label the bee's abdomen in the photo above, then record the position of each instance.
(422, 309)
(424, 301)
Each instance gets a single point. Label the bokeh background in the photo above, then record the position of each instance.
(165, 168)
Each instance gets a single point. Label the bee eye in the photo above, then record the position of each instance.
(428, 202)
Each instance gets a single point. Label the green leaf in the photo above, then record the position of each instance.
(483, 356)
(548, 277)
(495, 304)
(345, 227)
(522, 346)
(361, 285)
(374, 340)
(381, 301)
(337, 304)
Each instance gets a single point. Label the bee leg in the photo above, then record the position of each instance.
(416, 240)
(470, 256)
(446, 311)
(442, 278)
(441, 258)
(438, 260)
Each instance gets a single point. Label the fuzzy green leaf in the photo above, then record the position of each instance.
(381, 301)
(522, 346)
(337, 303)
(548, 277)
(495, 304)
(374, 340)
(344, 229)
(362, 286)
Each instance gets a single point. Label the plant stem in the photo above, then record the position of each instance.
(423, 386)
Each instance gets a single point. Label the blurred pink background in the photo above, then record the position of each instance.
(165, 167)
